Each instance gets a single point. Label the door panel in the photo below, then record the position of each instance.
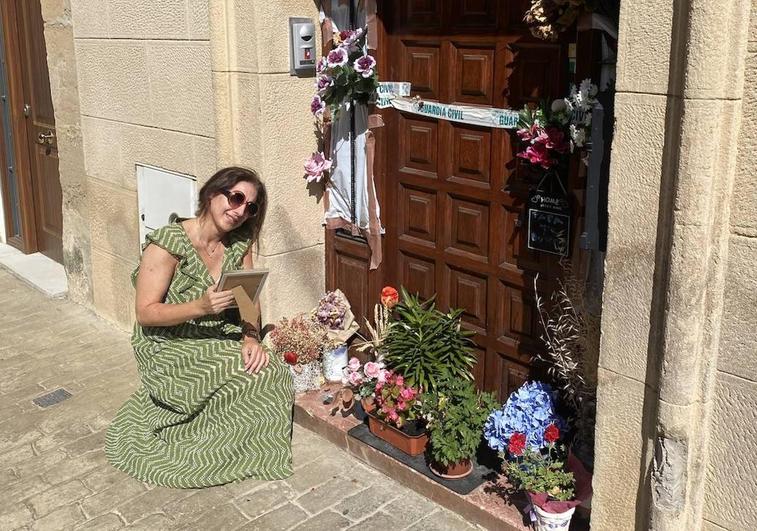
(473, 74)
(461, 196)
(41, 134)
(471, 156)
(453, 195)
(422, 69)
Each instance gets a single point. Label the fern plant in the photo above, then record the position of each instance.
(425, 344)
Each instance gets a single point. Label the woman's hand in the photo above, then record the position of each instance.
(254, 356)
(214, 302)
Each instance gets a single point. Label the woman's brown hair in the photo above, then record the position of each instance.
(225, 179)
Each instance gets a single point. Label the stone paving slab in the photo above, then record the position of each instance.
(53, 472)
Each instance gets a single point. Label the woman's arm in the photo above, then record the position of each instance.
(156, 269)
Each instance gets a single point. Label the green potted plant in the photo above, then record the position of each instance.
(424, 344)
(549, 485)
(456, 413)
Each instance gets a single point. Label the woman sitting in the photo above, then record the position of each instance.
(212, 408)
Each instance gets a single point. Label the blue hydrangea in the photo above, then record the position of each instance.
(528, 410)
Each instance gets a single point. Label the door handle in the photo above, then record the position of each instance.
(46, 138)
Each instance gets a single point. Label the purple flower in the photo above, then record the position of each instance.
(317, 105)
(324, 82)
(349, 39)
(364, 65)
(337, 57)
(321, 65)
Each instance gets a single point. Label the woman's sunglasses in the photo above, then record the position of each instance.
(236, 199)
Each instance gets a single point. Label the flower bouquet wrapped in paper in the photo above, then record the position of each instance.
(335, 315)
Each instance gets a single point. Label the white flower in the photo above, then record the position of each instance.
(578, 135)
(559, 105)
(588, 88)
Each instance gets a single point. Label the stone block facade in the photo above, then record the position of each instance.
(677, 389)
(194, 85)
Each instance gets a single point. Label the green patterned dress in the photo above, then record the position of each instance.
(199, 419)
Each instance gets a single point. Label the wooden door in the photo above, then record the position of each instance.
(453, 195)
(33, 130)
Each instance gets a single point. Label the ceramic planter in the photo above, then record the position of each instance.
(452, 471)
(411, 445)
(334, 362)
(552, 521)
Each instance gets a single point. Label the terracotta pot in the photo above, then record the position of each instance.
(453, 470)
(369, 405)
(411, 445)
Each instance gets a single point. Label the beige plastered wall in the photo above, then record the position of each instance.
(190, 86)
(263, 121)
(145, 96)
(677, 390)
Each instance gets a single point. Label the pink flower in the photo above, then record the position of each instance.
(392, 415)
(314, 168)
(383, 376)
(400, 381)
(408, 393)
(401, 406)
(555, 139)
(355, 379)
(317, 106)
(353, 364)
(379, 386)
(538, 155)
(364, 65)
(371, 370)
(337, 57)
(528, 134)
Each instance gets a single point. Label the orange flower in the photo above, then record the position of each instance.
(389, 297)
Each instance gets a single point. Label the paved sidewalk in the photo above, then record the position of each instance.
(53, 472)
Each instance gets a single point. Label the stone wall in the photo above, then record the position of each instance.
(672, 444)
(146, 96)
(264, 122)
(732, 469)
(61, 61)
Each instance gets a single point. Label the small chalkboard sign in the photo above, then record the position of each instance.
(549, 217)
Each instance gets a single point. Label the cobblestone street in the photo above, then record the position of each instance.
(55, 475)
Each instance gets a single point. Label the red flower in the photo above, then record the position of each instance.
(389, 297)
(517, 444)
(552, 433)
(290, 357)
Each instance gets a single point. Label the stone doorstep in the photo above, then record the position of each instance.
(36, 270)
(484, 506)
